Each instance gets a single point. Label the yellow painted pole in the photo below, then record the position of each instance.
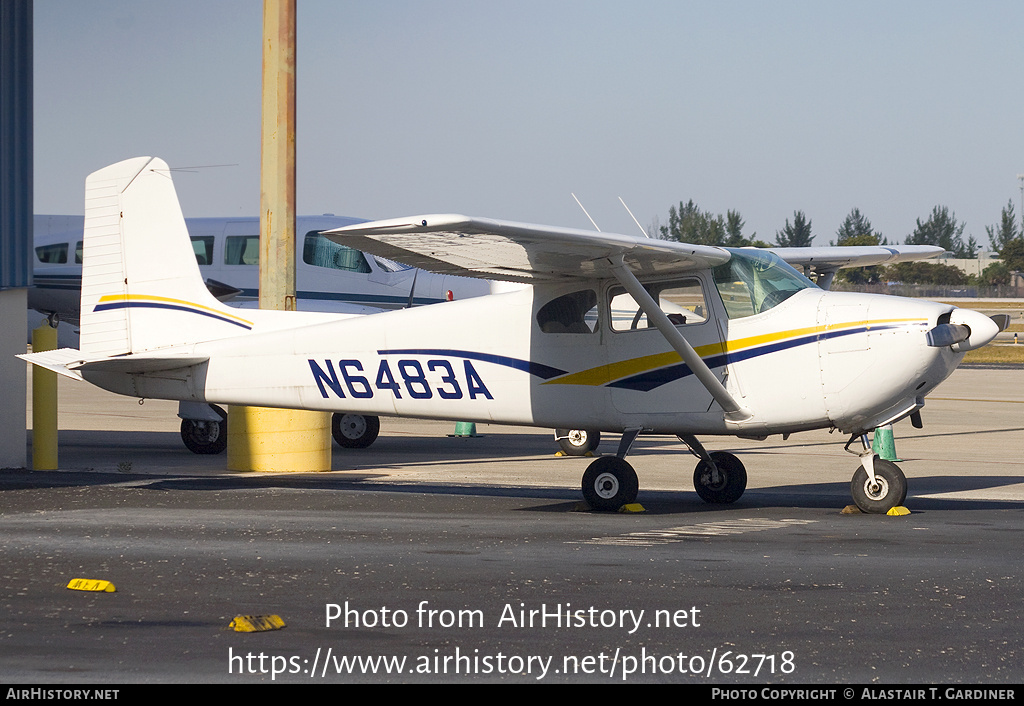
(44, 403)
(261, 439)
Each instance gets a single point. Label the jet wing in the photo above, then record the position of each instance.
(835, 258)
(518, 252)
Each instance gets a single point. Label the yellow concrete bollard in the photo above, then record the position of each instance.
(44, 403)
(283, 440)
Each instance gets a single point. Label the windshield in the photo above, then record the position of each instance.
(754, 281)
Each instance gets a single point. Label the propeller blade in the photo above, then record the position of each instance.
(1002, 320)
(947, 334)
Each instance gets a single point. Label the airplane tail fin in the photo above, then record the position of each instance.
(141, 286)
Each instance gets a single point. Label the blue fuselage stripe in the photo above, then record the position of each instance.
(175, 307)
(544, 372)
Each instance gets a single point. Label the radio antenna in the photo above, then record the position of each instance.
(646, 234)
(586, 214)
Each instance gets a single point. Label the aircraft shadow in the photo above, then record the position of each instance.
(95, 458)
(821, 496)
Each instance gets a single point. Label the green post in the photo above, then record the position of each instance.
(465, 429)
(884, 444)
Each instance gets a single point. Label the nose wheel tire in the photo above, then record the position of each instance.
(731, 481)
(888, 491)
(354, 431)
(609, 483)
(578, 442)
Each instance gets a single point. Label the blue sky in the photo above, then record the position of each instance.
(503, 110)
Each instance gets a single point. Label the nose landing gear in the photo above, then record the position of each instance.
(878, 485)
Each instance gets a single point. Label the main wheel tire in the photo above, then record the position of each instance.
(354, 431)
(732, 479)
(889, 491)
(578, 442)
(609, 483)
(205, 437)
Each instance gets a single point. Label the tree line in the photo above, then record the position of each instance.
(690, 224)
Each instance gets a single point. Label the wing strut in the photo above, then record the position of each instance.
(734, 411)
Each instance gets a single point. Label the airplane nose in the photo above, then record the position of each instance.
(980, 329)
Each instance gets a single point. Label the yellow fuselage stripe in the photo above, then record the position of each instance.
(603, 374)
(131, 298)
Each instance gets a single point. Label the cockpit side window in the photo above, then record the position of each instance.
(682, 300)
(321, 252)
(570, 313)
(754, 281)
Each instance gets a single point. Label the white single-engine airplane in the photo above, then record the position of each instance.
(722, 342)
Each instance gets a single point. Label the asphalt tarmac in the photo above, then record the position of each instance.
(427, 558)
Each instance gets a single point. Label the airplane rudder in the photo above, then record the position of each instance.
(104, 280)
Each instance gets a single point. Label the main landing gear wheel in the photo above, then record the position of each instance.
(609, 483)
(732, 479)
(889, 490)
(578, 442)
(206, 437)
(354, 431)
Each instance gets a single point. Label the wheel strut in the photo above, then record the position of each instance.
(698, 450)
(867, 456)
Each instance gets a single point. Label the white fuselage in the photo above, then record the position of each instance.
(817, 360)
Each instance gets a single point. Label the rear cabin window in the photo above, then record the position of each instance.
(570, 313)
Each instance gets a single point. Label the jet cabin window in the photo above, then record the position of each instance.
(242, 250)
(321, 252)
(754, 281)
(570, 313)
(202, 246)
(56, 254)
(682, 300)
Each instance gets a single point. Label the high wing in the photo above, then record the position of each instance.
(523, 252)
(839, 257)
(519, 252)
(827, 261)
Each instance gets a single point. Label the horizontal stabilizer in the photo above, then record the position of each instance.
(60, 361)
(71, 362)
(137, 364)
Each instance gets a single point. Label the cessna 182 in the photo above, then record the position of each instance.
(760, 350)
